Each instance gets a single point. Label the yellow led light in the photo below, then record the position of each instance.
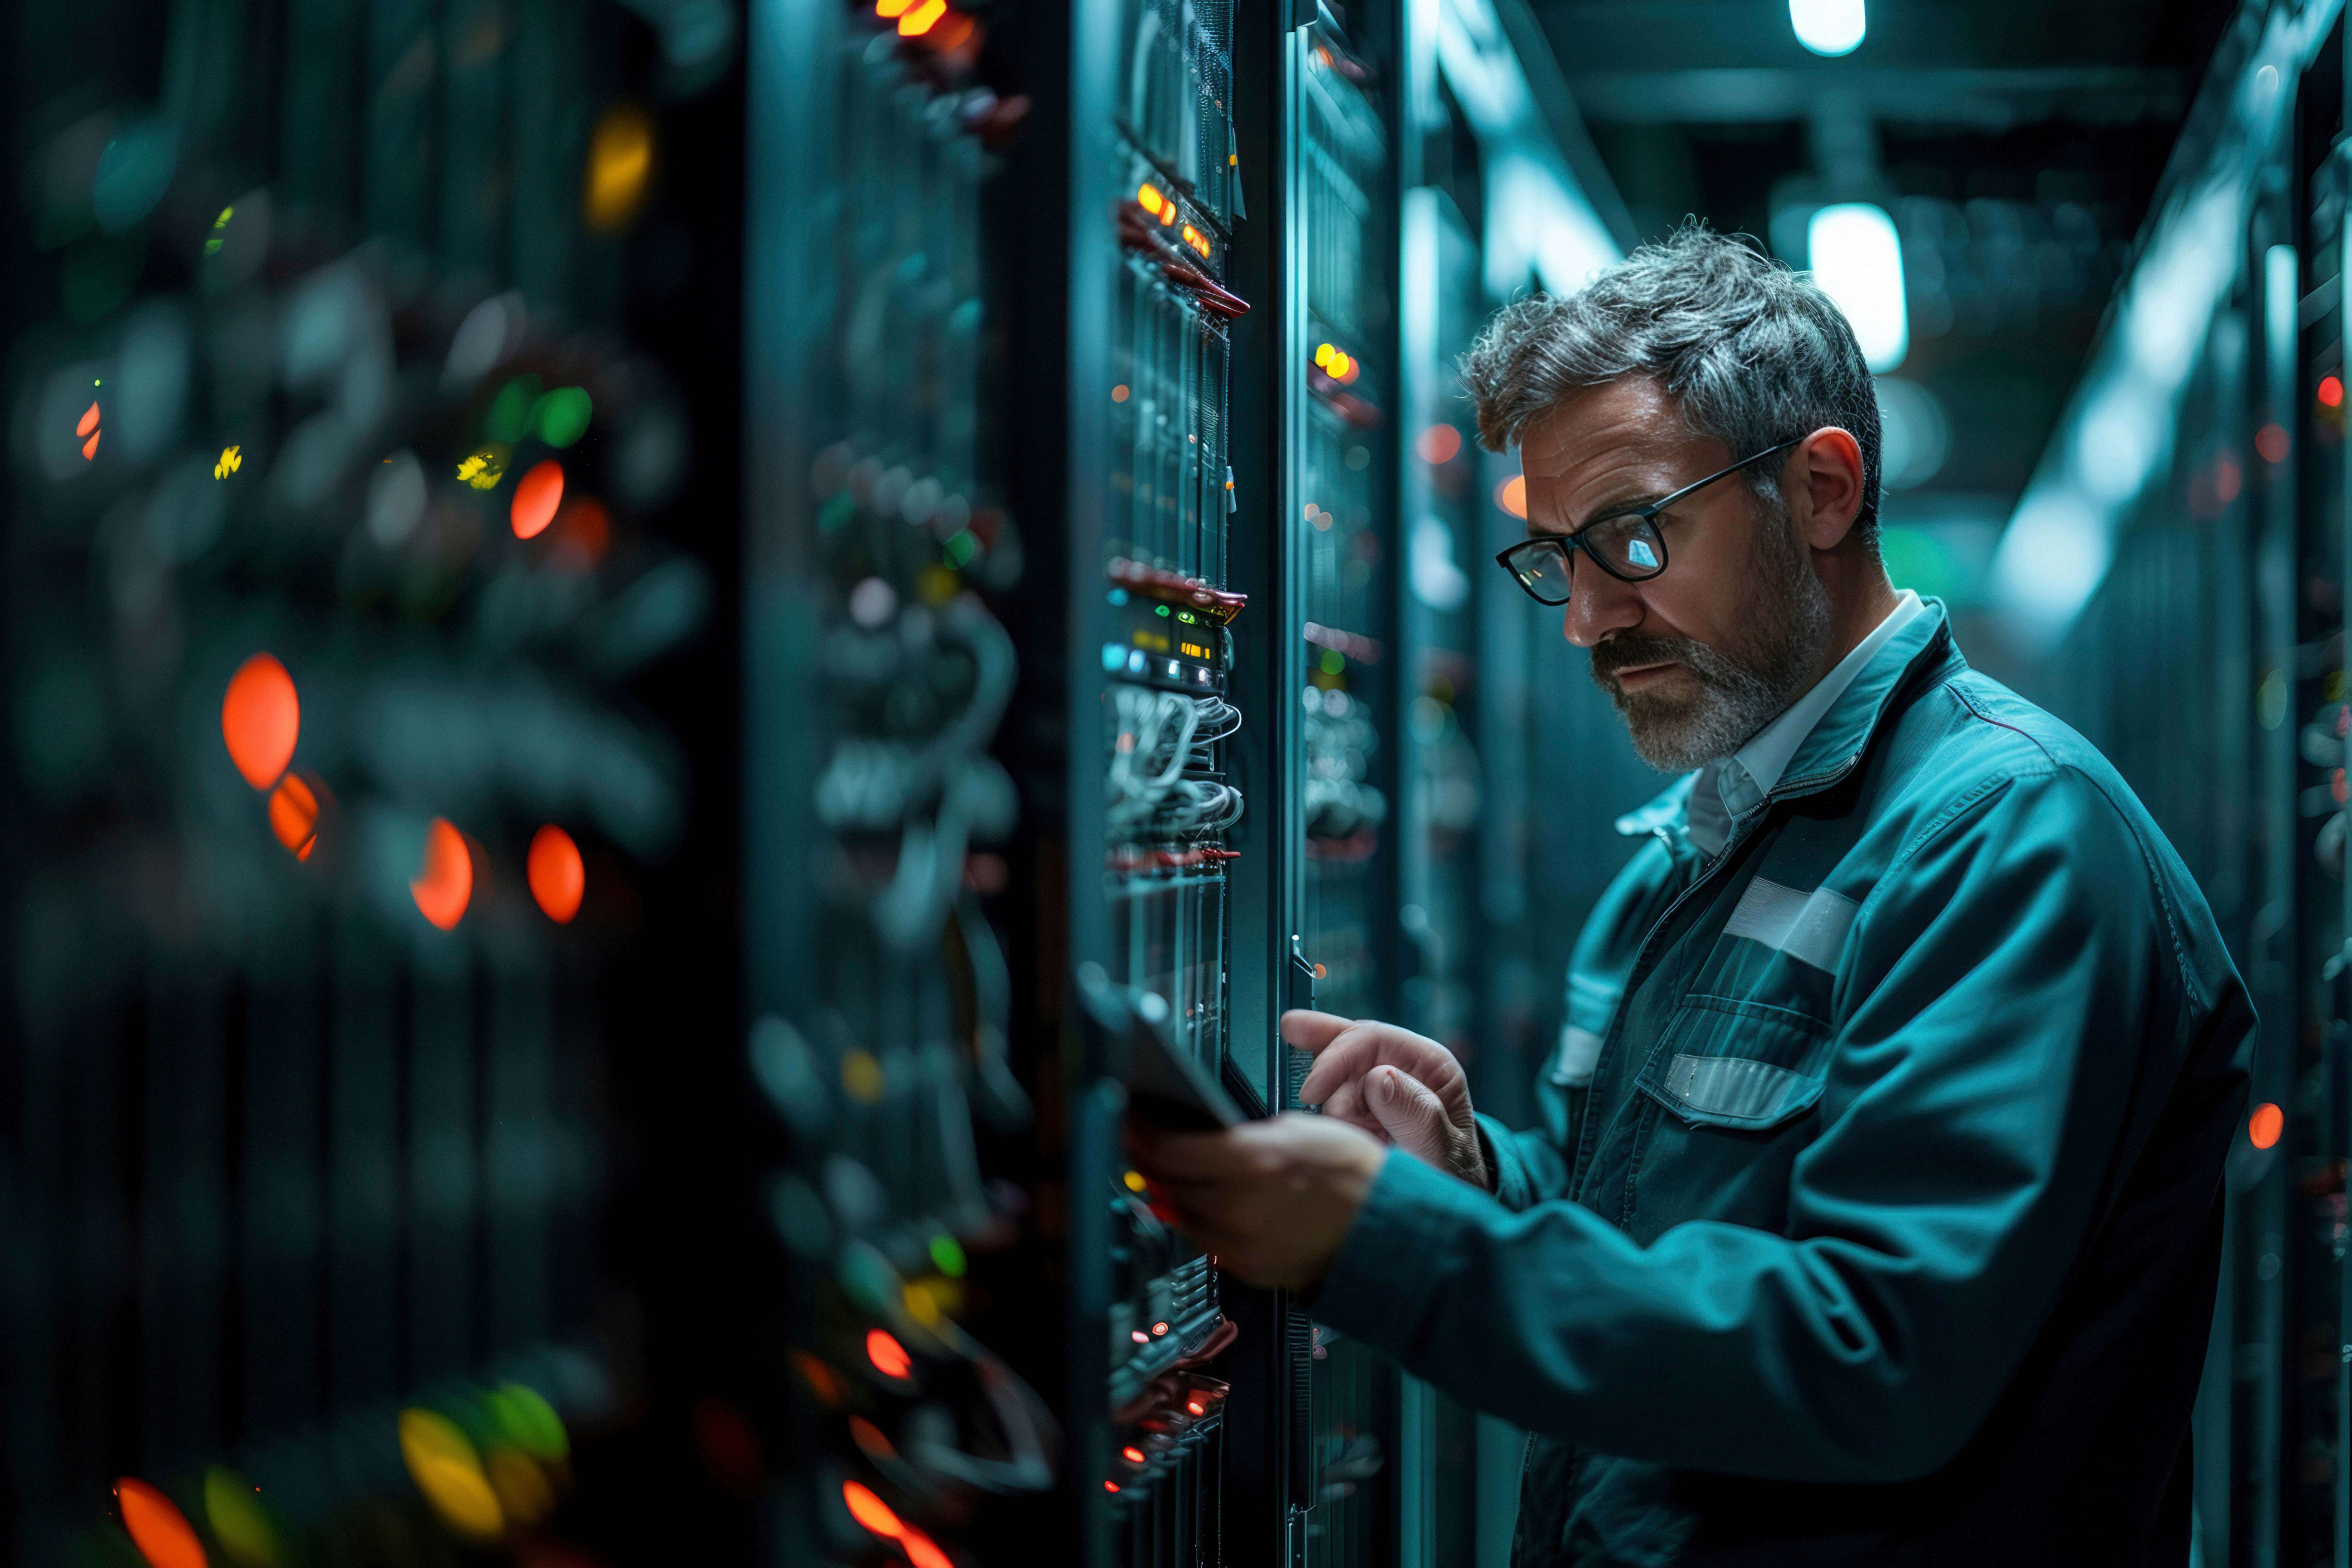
(1323, 352)
(1134, 1180)
(889, 10)
(919, 21)
(1150, 198)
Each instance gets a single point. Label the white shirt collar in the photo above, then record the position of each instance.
(1741, 781)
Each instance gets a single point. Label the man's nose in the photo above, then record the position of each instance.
(1598, 606)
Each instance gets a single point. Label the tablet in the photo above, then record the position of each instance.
(1167, 1088)
(1165, 1085)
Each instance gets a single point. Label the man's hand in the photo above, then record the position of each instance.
(1398, 1086)
(1272, 1199)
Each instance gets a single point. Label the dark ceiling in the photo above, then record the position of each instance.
(2016, 142)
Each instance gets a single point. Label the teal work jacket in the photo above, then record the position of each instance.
(1887, 1226)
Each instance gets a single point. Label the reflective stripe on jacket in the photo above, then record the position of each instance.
(1887, 1226)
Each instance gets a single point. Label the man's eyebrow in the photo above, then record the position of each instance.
(1628, 501)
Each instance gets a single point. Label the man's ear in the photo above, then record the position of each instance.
(1823, 484)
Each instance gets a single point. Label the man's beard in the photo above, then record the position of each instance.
(1743, 688)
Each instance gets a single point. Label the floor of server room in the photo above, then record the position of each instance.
(660, 651)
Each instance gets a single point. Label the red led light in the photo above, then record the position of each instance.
(1110, 1486)
(1138, 1336)
(1133, 1455)
(2331, 392)
(2264, 1127)
(2270, 442)
(1196, 1407)
(888, 1356)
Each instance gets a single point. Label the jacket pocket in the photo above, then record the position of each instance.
(1747, 1066)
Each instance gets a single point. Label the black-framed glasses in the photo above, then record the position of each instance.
(1626, 544)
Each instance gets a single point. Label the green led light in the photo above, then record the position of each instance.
(562, 417)
(948, 1256)
(962, 547)
(1332, 662)
(1159, 609)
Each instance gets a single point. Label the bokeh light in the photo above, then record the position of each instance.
(1439, 444)
(562, 417)
(157, 1528)
(294, 816)
(537, 495)
(870, 1510)
(239, 1522)
(260, 720)
(527, 1420)
(557, 877)
(582, 533)
(2264, 1127)
(88, 428)
(620, 167)
(888, 1356)
(445, 885)
(442, 1462)
(1511, 495)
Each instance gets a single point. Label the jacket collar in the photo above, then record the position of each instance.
(1842, 734)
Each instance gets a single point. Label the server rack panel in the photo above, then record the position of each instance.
(885, 556)
(347, 586)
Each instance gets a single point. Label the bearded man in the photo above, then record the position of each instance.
(1875, 1215)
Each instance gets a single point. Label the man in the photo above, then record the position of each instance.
(1875, 1215)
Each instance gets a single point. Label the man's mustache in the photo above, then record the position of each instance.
(1630, 651)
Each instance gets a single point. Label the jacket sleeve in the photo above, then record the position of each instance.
(2015, 1005)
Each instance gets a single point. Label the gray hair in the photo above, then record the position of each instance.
(1753, 352)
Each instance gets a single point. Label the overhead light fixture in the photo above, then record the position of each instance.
(1856, 259)
(1828, 26)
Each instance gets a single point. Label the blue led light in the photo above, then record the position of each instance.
(1113, 656)
(1135, 662)
(1119, 596)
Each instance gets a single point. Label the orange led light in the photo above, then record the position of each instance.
(2264, 1127)
(1150, 196)
(1159, 1328)
(1119, 394)
(294, 816)
(919, 21)
(921, 1550)
(536, 497)
(557, 877)
(1511, 495)
(157, 1528)
(888, 1356)
(260, 719)
(870, 1510)
(444, 886)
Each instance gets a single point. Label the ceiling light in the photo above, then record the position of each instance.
(1828, 26)
(1858, 261)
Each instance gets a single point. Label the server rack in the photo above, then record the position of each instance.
(2210, 667)
(353, 594)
